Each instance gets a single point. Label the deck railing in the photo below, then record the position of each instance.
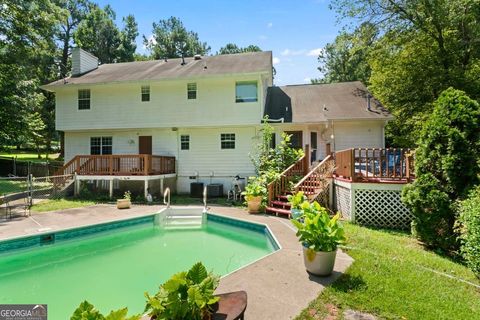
(120, 164)
(317, 180)
(370, 164)
(282, 184)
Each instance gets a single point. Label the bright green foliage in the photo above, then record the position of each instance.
(255, 188)
(128, 36)
(186, 296)
(172, 40)
(86, 311)
(446, 165)
(98, 34)
(318, 231)
(296, 200)
(469, 221)
(231, 48)
(346, 58)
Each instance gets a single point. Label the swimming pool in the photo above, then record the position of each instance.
(111, 265)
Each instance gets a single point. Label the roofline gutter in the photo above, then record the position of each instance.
(49, 87)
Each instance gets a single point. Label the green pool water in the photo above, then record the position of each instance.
(114, 269)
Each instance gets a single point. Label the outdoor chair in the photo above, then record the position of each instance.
(16, 202)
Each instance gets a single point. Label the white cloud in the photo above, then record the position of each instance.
(314, 52)
(275, 60)
(269, 25)
(288, 52)
(307, 80)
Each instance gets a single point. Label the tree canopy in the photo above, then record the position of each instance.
(170, 39)
(230, 48)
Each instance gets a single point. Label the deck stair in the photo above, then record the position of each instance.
(314, 182)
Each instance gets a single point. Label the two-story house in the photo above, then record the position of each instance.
(196, 119)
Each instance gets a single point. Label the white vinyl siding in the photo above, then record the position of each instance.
(360, 134)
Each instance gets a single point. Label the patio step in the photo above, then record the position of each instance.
(277, 211)
(281, 204)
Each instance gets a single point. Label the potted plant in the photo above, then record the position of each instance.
(126, 202)
(187, 295)
(296, 200)
(254, 193)
(320, 236)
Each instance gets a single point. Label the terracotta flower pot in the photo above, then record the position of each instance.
(254, 204)
(123, 204)
(319, 263)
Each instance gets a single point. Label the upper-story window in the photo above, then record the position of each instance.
(185, 142)
(145, 93)
(191, 91)
(246, 91)
(227, 140)
(100, 145)
(84, 99)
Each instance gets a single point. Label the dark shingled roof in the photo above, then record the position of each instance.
(250, 62)
(321, 102)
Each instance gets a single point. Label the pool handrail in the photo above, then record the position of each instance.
(165, 194)
(205, 209)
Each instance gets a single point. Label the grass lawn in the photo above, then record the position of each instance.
(28, 155)
(10, 186)
(60, 204)
(393, 277)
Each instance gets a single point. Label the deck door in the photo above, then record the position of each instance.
(145, 144)
(314, 146)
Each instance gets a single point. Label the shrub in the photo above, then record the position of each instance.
(469, 222)
(446, 167)
(86, 311)
(186, 296)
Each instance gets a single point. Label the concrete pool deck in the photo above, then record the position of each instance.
(278, 286)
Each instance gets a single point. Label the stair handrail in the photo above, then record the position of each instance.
(312, 171)
(285, 173)
(166, 194)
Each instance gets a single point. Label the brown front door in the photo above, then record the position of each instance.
(145, 144)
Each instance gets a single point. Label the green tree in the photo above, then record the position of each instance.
(171, 39)
(346, 59)
(128, 37)
(447, 166)
(98, 34)
(230, 48)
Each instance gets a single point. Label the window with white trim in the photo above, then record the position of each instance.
(227, 140)
(246, 91)
(192, 91)
(100, 145)
(84, 99)
(185, 142)
(145, 93)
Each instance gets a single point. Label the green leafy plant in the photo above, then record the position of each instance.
(446, 168)
(127, 196)
(469, 228)
(319, 232)
(296, 200)
(255, 188)
(187, 295)
(86, 311)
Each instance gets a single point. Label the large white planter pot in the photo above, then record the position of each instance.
(319, 263)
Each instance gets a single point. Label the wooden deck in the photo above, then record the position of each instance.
(387, 165)
(120, 165)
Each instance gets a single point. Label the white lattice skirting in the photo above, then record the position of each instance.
(371, 204)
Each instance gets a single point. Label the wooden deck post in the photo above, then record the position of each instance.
(352, 164)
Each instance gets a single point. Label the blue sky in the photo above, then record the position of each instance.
(294, 30)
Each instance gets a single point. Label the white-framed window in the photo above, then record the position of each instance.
(84, 99)
(100, 145)
(145, 93)
(185, 142)
(191, 91)
(227, 140)
(246, 91)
